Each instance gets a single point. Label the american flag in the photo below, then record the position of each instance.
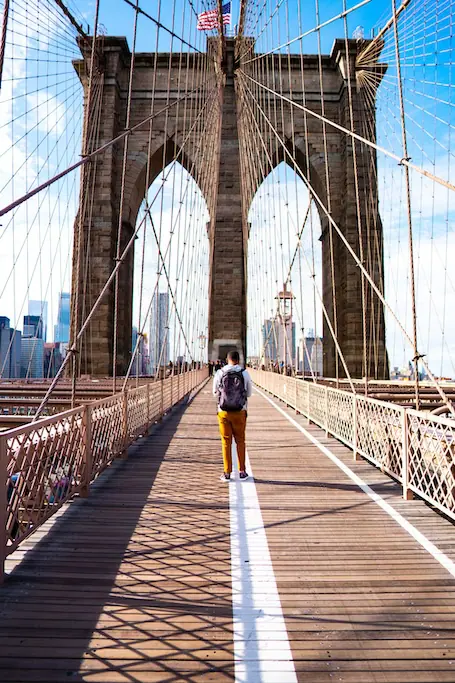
(208, 20)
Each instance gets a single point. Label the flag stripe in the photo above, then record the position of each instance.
(209, 19)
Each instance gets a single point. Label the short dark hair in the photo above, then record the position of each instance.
(234, 356)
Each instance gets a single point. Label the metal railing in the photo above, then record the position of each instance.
(416, 448)
(45, 463)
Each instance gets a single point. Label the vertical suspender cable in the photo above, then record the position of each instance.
(327, 183)
(80, 222)
(357, 200)
(122, 198)
(408, 205)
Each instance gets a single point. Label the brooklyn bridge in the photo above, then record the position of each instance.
(188, 178)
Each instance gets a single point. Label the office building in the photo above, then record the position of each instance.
(33, 326)
(39, 308)
(32, 357)
(141, 362)
(269, 342)
(62, 328)
(159, 346)
(10, 350)
(52, 359)
(309, 355)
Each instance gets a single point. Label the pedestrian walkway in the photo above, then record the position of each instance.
(166, 574)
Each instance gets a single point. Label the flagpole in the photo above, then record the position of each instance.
(242, 18)
(221, 32)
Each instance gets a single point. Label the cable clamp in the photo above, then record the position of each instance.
(405, 159)
(419, 357)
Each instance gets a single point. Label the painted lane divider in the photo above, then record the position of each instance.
(262, 652)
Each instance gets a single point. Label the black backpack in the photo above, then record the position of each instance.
(232, 394)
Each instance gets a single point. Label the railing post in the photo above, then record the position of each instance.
(407, 494)
(87, 451)
(3, 505)
(161, 399)
(310, 401)
(326, 411)
(148, 406)
(172, 393)
(354, 428)
(124, 454)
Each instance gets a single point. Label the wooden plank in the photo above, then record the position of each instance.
(134, 583)
(362, 600)
(152, 587)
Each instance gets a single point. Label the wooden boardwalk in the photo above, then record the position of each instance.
(134, 583)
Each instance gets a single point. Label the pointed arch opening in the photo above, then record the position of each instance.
(285, 275)
(171, 274)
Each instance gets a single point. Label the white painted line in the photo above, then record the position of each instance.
(438, 555)
(262, 652)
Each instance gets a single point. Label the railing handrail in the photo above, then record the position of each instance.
(415, 447)
(53, 462)
(41, 422)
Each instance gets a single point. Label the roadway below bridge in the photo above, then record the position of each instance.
(315, 570)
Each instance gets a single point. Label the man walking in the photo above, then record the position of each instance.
(232, 385)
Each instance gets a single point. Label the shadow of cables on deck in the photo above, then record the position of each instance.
(112, 593)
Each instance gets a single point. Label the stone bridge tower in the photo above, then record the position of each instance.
(228, 227)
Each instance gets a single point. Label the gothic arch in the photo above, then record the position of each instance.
(140, 164)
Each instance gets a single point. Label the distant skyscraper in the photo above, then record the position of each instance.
(4, 346)
(141, 360)
(269, 339)
(33, 326)
(15, 353)
(39, 308)
(32, 357)
(62, 328)
(52, 359)
(10, 350)
(159, 340)
(310, 349)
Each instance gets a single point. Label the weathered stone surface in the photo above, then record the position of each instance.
(219, 161)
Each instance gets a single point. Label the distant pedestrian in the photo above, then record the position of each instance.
(232, 385)
(218, 365)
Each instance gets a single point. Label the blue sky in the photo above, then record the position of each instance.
(45, 103)
(119, 20)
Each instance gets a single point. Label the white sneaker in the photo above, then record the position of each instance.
(226, 478)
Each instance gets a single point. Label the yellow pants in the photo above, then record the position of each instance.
(232, 424)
